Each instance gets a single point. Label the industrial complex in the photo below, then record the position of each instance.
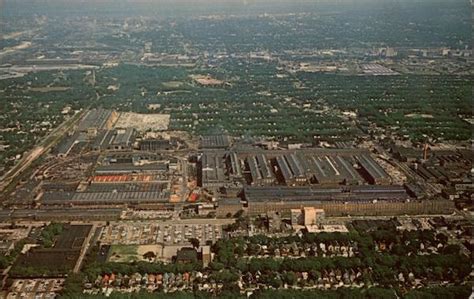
(111, 162)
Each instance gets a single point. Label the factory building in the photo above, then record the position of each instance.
(291, 170)
(155, 145)
(119, 139)
(214, 142)
(123, 139)
(129, 163)
(446, 166)
(285, 171)
(391, 201)
(69, 214)
(432, 173)
(331, 169)
(228, 206)
(96, 120)
(405, 154)
(295, 168)
(235, 165)
(260, 170)
(113, 198)
(372, 170)
(312, 193)
(213, 169)
(102, 140)
(67, 144)
(279, 198)
(126, 187)
(128, 169)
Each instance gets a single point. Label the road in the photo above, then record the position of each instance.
(84, 248)
(48, 142)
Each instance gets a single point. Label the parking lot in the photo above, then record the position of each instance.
(35, 288)
(167, 233)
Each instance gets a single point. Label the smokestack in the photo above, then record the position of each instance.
(425, 151)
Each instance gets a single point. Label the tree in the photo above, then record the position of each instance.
(195, 242)
(451, 249)
(150, 255)
(376, 293)
(216, 266)
(289, 278)
(239, 214)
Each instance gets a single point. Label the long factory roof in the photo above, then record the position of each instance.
(129, 168)
(309, 193)
(372, 167)
(214, 141)
(105, 196)
(95, 118)
(212, 166)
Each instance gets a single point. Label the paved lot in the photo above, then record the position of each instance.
(167, 233)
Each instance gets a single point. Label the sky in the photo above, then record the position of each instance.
(133, 7)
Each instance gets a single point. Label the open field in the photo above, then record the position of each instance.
(130, 253)
(123, 253)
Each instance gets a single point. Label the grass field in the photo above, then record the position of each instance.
(123, 253)
(130, 253)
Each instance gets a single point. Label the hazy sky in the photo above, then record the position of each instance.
(14, 8)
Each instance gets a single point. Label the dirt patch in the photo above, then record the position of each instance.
(172, 84)
(418, 115)
(206, 80)
(50, 89)
(143, 122)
